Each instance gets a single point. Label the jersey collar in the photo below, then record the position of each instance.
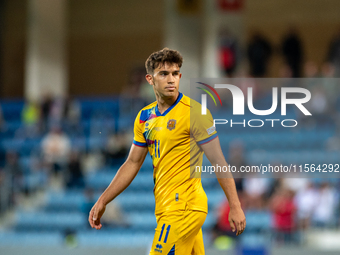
(172, 106)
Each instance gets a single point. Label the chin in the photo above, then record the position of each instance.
(172, 94)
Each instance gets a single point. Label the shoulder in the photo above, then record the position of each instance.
(191, 103)
(194, 106)
(145, 113)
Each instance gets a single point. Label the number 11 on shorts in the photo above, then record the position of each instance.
(166, 235)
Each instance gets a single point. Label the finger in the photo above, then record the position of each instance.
(243, 225)
(91, 218)
(238, 227)
(97, 222)
(241, 228)
(95, 214)
(99, 226)
(232, 225)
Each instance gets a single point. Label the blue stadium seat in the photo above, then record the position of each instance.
(115, 239)
(50, 221)
(31, 239)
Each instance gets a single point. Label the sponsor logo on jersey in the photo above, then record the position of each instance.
(159, 248)
(211, 130)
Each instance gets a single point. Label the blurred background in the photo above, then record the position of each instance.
(72, 81)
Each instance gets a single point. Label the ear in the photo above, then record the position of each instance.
(149, 79)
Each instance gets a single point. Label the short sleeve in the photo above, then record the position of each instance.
(138, 138)
(202, 127)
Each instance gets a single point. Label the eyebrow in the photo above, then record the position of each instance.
(165, 71)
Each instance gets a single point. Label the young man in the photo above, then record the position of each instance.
(164, 130)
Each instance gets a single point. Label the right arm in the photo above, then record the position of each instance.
(126, 173)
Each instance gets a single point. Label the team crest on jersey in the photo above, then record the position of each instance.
(171, 124)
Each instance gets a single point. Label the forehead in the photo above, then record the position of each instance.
(170, 67)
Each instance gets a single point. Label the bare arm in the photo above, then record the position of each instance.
(214, 153)
(126, 173)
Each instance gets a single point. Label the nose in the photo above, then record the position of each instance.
(171, 78)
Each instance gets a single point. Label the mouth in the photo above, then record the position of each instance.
(171, 88)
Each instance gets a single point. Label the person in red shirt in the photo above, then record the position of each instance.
(284, 210)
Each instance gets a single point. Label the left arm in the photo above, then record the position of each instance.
(214, 153)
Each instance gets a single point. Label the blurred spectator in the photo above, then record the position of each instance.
(311, 69)
(330, 85)
(113, 216)
(222, 226)
(74, 175)
(30, 117)
(284, 210)
(56, 112)
(306, 203)
(30, 114)
(93, 161)
(258, 51)
(71, 114)
(45, 109)
(237, 158)
(14, 169)
(295, 184)
(327, 202)
(327, 70)
(255, 190)
(285, 71)
(228, 50)
(116, 148)
(56, 147)
(319, 104)
(11, 182)
(334, 53)
(292, 51)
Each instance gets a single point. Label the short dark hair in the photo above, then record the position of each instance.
(161, 57)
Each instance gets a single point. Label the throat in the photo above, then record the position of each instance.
(163, 104)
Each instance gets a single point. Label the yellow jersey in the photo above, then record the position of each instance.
(173, 140)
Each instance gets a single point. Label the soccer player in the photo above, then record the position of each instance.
(176, 146)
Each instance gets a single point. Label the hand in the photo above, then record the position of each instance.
(96, 213)
(237, 220)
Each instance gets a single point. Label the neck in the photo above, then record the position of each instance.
(165, 102)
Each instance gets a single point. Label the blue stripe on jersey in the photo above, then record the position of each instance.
(139, 144)
(145, 114)
(172, 251)
(208, 139)
(159, 155)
